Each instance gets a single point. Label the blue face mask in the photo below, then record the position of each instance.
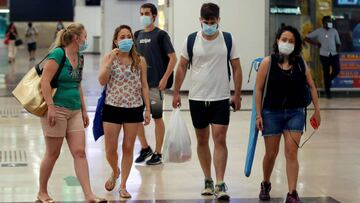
(209, 29)
(145, 20)
(83, 47)
(125, 45)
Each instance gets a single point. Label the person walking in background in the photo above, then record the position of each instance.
(209, 94)
(12, 34)
(328, 40)
(59, 26)
(282, 112)
(155, 45)
(30, 36)
(66, 116)
(123, 72)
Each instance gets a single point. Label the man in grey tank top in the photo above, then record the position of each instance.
(328, 40)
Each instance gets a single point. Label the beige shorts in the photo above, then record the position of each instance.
(66, 121)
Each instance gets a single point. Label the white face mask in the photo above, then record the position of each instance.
(286, 48)
(329, 25)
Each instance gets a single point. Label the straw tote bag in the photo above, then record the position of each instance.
(28, 91)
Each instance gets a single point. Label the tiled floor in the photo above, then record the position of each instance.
(329, 162)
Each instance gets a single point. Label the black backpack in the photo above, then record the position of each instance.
(228, 42)
(164, 55)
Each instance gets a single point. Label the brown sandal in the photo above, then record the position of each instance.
(124, 194)
(99, 200)
(111, 182)
(48, 200)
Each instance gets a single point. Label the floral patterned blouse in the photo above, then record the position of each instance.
(124, 86)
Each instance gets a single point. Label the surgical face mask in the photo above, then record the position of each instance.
(145, 20)
(330, 25)
(286, 48)
(125, 45)
(209, 29)
(83, 46)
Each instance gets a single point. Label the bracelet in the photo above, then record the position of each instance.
(258, 117)
(51, 104)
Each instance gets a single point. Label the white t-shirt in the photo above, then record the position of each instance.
(209, 72)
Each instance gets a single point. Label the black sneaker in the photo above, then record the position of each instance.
(265, 188)
(293, 197)
(144, 153)
(155, 159)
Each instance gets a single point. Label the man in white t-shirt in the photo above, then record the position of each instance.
(209, 94)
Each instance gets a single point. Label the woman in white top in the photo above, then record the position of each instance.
(123, 72)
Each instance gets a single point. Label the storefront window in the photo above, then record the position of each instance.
(306, 16)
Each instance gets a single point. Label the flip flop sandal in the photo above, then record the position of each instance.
(48, 200)
(99, 200)
(111, 182)
(124, 194)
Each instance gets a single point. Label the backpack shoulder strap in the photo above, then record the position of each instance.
(190, 45)
(228, 43)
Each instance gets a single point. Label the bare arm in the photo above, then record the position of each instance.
(105, 67)
(237, 77)
(145, 89)
(169, 70)
(259, 89)
(49, 72)
(314, 95)
(83, 104)
(179, 79)
(313, 42)
(83, 108)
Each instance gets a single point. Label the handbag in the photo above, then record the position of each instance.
(98, 129)
(18, 42)
(7, 39)
(28, 91)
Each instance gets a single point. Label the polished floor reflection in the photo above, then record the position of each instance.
(329, 162)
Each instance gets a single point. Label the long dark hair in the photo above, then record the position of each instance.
(10, 26)
(133, 53)
(295, 56)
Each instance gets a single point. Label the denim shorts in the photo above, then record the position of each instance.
(277, 121)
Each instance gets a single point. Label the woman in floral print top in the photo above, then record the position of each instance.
(123, 71)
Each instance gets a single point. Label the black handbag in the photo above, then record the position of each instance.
(18, 42)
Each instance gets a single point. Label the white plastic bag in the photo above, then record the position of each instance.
(177, 144)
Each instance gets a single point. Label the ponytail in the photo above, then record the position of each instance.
(65, 36)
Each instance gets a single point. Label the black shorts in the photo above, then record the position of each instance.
(120, 115)
(32, 46)
(204, 113)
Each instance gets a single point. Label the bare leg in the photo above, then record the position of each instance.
(130, 130)
(203, 150)
(292, 163)
(53, 147)
(271, 151)
(111, 132)
(76, 142)
(159, 133)
(220, 150)
(141, 135)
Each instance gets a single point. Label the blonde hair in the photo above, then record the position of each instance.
(133, 53)
(65, 36)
